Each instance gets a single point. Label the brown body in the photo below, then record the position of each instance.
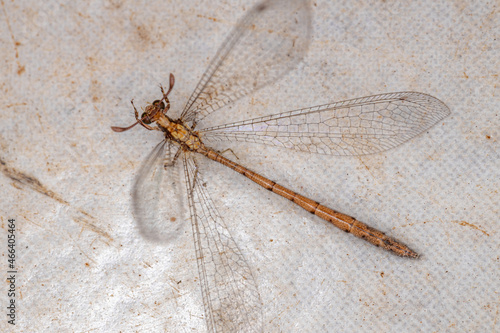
(189, 140)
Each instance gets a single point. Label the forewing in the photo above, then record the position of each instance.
(359, 126)
(265, 44)
(230, 295)
(158, 198)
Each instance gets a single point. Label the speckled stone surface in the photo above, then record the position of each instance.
(68, 73)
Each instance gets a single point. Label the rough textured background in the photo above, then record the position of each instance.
(68, 72)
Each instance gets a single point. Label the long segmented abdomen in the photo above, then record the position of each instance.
(341, 221)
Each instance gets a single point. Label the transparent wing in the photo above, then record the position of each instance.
(265, 44)
(359, 126)
(159, 180)
(230, 295)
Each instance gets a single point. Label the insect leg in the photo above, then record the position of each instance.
(173, 160)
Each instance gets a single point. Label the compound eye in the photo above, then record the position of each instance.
(159, 104)
(145, 118)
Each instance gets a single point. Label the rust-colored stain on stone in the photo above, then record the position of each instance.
(467, 224)
(23, 180)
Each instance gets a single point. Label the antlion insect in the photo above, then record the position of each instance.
(268, 42)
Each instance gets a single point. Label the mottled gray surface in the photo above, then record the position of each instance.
(69, 71)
